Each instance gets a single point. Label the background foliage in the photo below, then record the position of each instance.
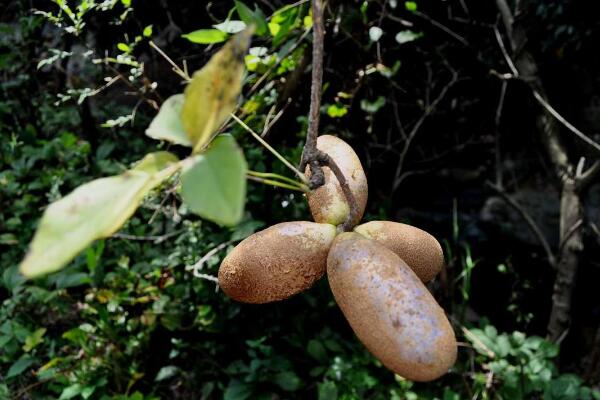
(129, 318)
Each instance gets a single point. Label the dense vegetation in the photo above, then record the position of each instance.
(447, 125)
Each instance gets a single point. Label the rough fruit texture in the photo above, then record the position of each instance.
(277, 262)
(328, 203)
(420, 250)
(390, 309)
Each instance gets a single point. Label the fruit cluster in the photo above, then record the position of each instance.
(376, 273)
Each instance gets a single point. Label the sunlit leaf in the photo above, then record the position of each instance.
(231, 26)
(167, 124)
(213, 184)
(206, 36)
(94, 210)
(212, 94)
(34, 339)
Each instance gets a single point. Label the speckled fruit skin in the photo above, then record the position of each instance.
(390, 309)
(420, 250)
(328, 203)
(276, 263)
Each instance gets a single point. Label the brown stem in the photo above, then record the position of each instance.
(311, 156)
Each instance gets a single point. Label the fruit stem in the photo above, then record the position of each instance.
(311, 156)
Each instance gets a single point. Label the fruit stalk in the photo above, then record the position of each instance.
(312, 156)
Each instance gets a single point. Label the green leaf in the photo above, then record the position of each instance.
(410, 6)
(256, 17)
(71, 391)
(166, 373)
(34, 339)
(147, 31)
(212, 94)
(407, 36)
(317, 350)
(206, 36)
(328, 391)
(167, 124)
(123, 47)
(372, 106)
(213, 184)
(94, 210)
(288, 381)
(237, 390)
(19, 366)
(337, 110)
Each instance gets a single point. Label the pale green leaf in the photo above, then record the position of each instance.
(375, 33)
(71, 391)
(407, 36)
(213, 184)
(166, 373)
(206, 36)
(167, 124)
(231, 26)
(212, 94)
(94, 210)
(155, 163)
(34, 339)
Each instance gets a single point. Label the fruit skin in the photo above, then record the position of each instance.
(276, 263)
(390, 309)
(420, 250)
(328, 203)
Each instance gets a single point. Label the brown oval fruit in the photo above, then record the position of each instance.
(420, 250)
(277, 262)
(328, 203)
(390, 309)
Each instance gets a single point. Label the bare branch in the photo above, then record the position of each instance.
(528, 219)
(442, 27)
(429, 109)
(586, 177)
(497, 149)
(540, 98)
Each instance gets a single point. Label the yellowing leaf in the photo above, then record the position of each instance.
(94, 210)
(212, 94)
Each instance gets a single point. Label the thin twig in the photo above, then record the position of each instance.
(152, 238)
(183, 74)
(497, 134)
(200, 263)
(528, 219)
(574, 228)
(563, 121)
(442, 27)
(429, 109)
(277, 183)
(270, 148)
(507, 57)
